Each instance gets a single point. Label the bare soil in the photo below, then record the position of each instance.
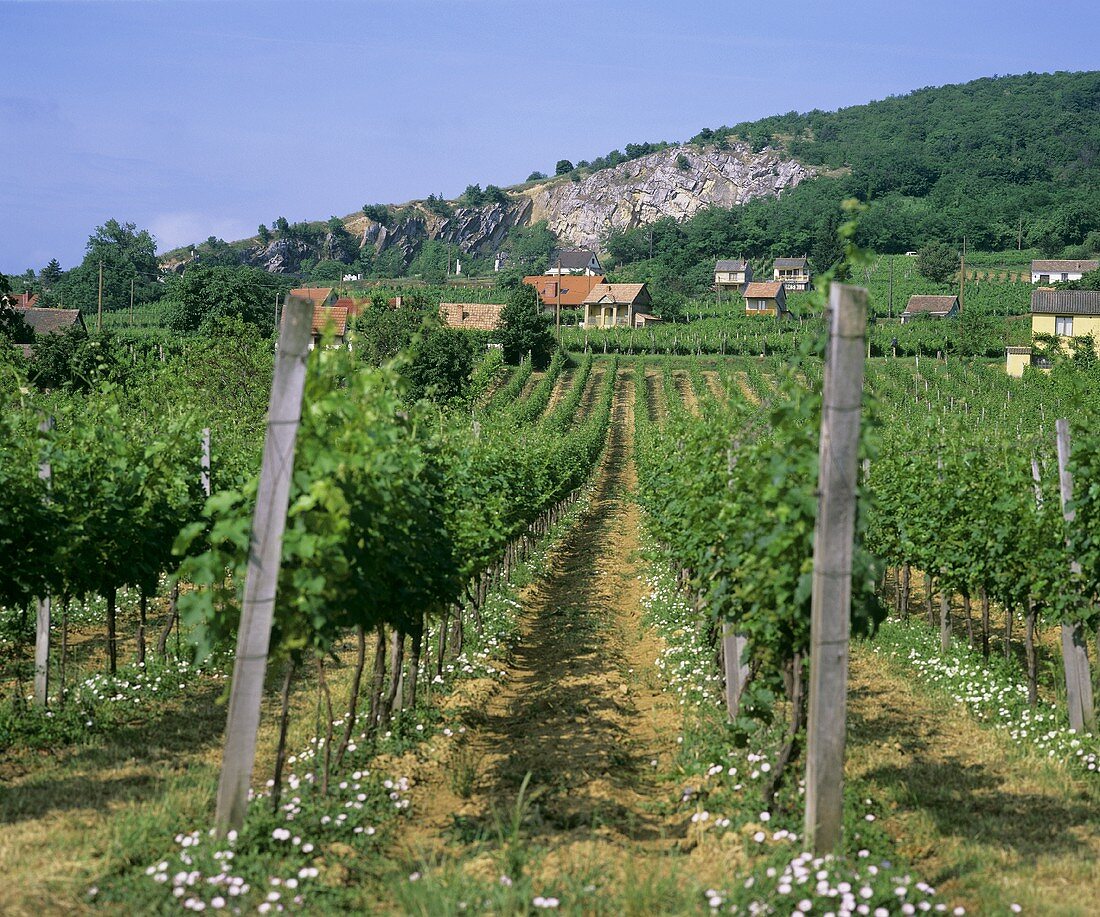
(581, 716)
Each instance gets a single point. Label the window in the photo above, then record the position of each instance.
(1063, 325)
(1044, 278)
(1065, 276)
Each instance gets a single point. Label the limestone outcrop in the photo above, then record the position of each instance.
(676, 182)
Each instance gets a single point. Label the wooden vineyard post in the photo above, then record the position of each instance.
(264, 555)
(736, 672)
(831, 596)
(42, 618)
(1075, 657)
(733, 644)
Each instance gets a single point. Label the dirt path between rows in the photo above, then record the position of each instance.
(975, 822)
(581, 711)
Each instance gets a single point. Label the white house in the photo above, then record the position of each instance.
(1060, 271)
(574, 261)
(793, 273)
(732, 274)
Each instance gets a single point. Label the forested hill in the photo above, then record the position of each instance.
(1005, 162)
(1002, 161)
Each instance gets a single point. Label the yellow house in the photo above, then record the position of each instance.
(1066, 313)
(611, 305)
(766, 299)
(1061, 313)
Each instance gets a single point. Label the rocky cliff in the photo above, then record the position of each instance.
(676, 182)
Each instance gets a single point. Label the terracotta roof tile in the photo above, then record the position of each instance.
(332, 317)
(574, 287)
(620, 293)
(313, 294)
(763, 289)
(482, 316)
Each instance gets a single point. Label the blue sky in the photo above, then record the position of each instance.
(194, 119)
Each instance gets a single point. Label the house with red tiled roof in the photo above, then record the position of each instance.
(20, 300)
(480, 316)
(763, 298)
(570, 290)
(611, 305)
(331, 320)
(319, 296)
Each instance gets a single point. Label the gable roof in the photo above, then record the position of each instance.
(764, 290)
(481, 316)
(1083, 266)
(313, 294)
(20, 300)
(353, 306)
(622, 294)
(51, 321)
(792, 262)
(572, 259)
(1070, 302)
(932, 305)
(730, 265)
(334, 317)
(574, 287)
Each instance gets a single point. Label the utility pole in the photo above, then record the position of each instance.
(99, 311)
(1020, 233)
(891, 306)
(131, 302)
(962, 275)
(557, 288)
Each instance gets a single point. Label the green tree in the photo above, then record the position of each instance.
(202, 294)
(525, 329)
(441, 365)
(74, 361)
(438, 205)
(264, 234)
(563, 167)
(128, 255)
(431, 261)
(328, 271)
(12, 327)
(937, 262)
(383, 333)
(537, 176)
(50, 274)
(377, 212)
(531, 246)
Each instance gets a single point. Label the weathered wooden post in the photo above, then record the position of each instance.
(832, 571)
(1075, 659)
(733, 644)
(264, 555)
(42, 618)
